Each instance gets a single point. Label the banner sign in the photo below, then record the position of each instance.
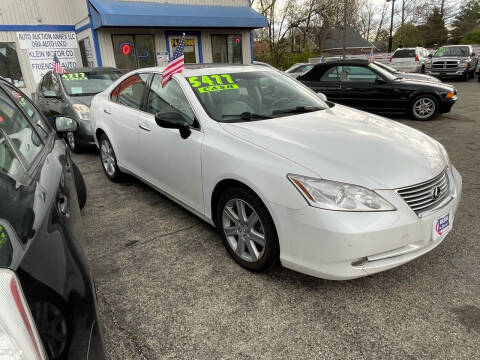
(42, 46)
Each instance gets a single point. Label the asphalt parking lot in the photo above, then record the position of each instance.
(167, 288)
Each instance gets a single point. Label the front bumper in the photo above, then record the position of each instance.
(450, 73)
(341, 245)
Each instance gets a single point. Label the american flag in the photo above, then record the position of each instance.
(175, 65)
(371, 58)
(57, 66)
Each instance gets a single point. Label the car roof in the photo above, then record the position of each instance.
(344, 62)
(207, 69)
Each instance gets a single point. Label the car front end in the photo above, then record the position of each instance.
(448, 68)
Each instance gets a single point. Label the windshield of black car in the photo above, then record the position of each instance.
(89, 82)
(387, 68)
(459, 51)
(246, 96)
(380, 70)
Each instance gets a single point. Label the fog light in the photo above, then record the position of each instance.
(360, 262)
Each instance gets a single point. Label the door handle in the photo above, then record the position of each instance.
(107, 111)
(143, 127)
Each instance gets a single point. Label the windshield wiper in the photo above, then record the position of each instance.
(248, 116)
(298, 110)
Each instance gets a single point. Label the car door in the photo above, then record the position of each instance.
(362, 88)
(324, 81)
(121, 116)
(171, 163)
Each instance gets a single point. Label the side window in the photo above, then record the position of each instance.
(46, 83)
(332, 74)
(35, 117)
(357, 74)
(19, 130)
(169, 98)
(130, 92)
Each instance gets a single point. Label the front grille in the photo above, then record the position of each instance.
(439, 65)
(421, 197)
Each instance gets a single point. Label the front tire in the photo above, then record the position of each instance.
(109, 160)
(424, 107)
(247, 229)
(72, 143)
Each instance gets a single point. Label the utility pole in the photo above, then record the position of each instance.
(390, 39)
(344, 49)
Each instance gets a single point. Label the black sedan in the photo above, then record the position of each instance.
(47, 296)
(369, 87)
(70, 94)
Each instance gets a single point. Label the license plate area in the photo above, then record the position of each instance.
(442, 225)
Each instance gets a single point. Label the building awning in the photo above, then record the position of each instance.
(108, 13)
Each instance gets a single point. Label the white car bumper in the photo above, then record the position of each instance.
(408, 68)
(341, 245)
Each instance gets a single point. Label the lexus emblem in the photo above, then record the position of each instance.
(436, 192)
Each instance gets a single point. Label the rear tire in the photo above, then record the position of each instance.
(247, 229)
(109, 160)
(424, 107)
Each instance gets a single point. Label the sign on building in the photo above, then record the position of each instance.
(42, 46)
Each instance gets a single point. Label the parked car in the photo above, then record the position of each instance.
(411, 60)
(70, 94)
(47, 295)
(405, 75)
(454, 61)
(330, 191)
(367, 86)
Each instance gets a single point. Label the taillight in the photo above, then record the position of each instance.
(391, 57)
(416, 58)
(19, 338)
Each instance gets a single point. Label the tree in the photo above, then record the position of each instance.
(434, 30)
(471, 38)
(466, 21)
(407, 35)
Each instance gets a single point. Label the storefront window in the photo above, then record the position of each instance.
(133, 51)
(227, 49)
(190, 51)
(9, 65)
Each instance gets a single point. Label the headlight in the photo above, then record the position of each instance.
(449, 95)
(82, 111)
(333, 195)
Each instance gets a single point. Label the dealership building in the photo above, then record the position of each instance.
(122, 34)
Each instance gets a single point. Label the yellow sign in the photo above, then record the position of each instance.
(74, 76)
(216, 82)
(188, 42)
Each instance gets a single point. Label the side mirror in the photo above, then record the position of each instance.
(430, 55)
(473, 54)
(65, 124)
(174, 120)
(322, 96)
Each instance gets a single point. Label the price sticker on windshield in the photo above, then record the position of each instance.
(74, 76)
(210, 83)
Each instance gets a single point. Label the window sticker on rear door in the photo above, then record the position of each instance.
(215, 82)
(74, 76)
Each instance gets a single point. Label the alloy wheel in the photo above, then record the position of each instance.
(244, 230)
(424, 108)
(71, 141)
(108, 157)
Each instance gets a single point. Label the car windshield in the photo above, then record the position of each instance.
(256, 95)
(387, 68)
(386, 74)
(452, 51)
(88, 82)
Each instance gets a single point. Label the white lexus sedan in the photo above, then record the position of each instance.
(284, 175)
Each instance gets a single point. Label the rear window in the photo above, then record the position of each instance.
(404, 53)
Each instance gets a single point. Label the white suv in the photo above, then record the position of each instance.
(410, 59)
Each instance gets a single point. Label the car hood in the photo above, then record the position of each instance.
(348, 145)
(427, 83)
(85, 100)
(411, 76)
